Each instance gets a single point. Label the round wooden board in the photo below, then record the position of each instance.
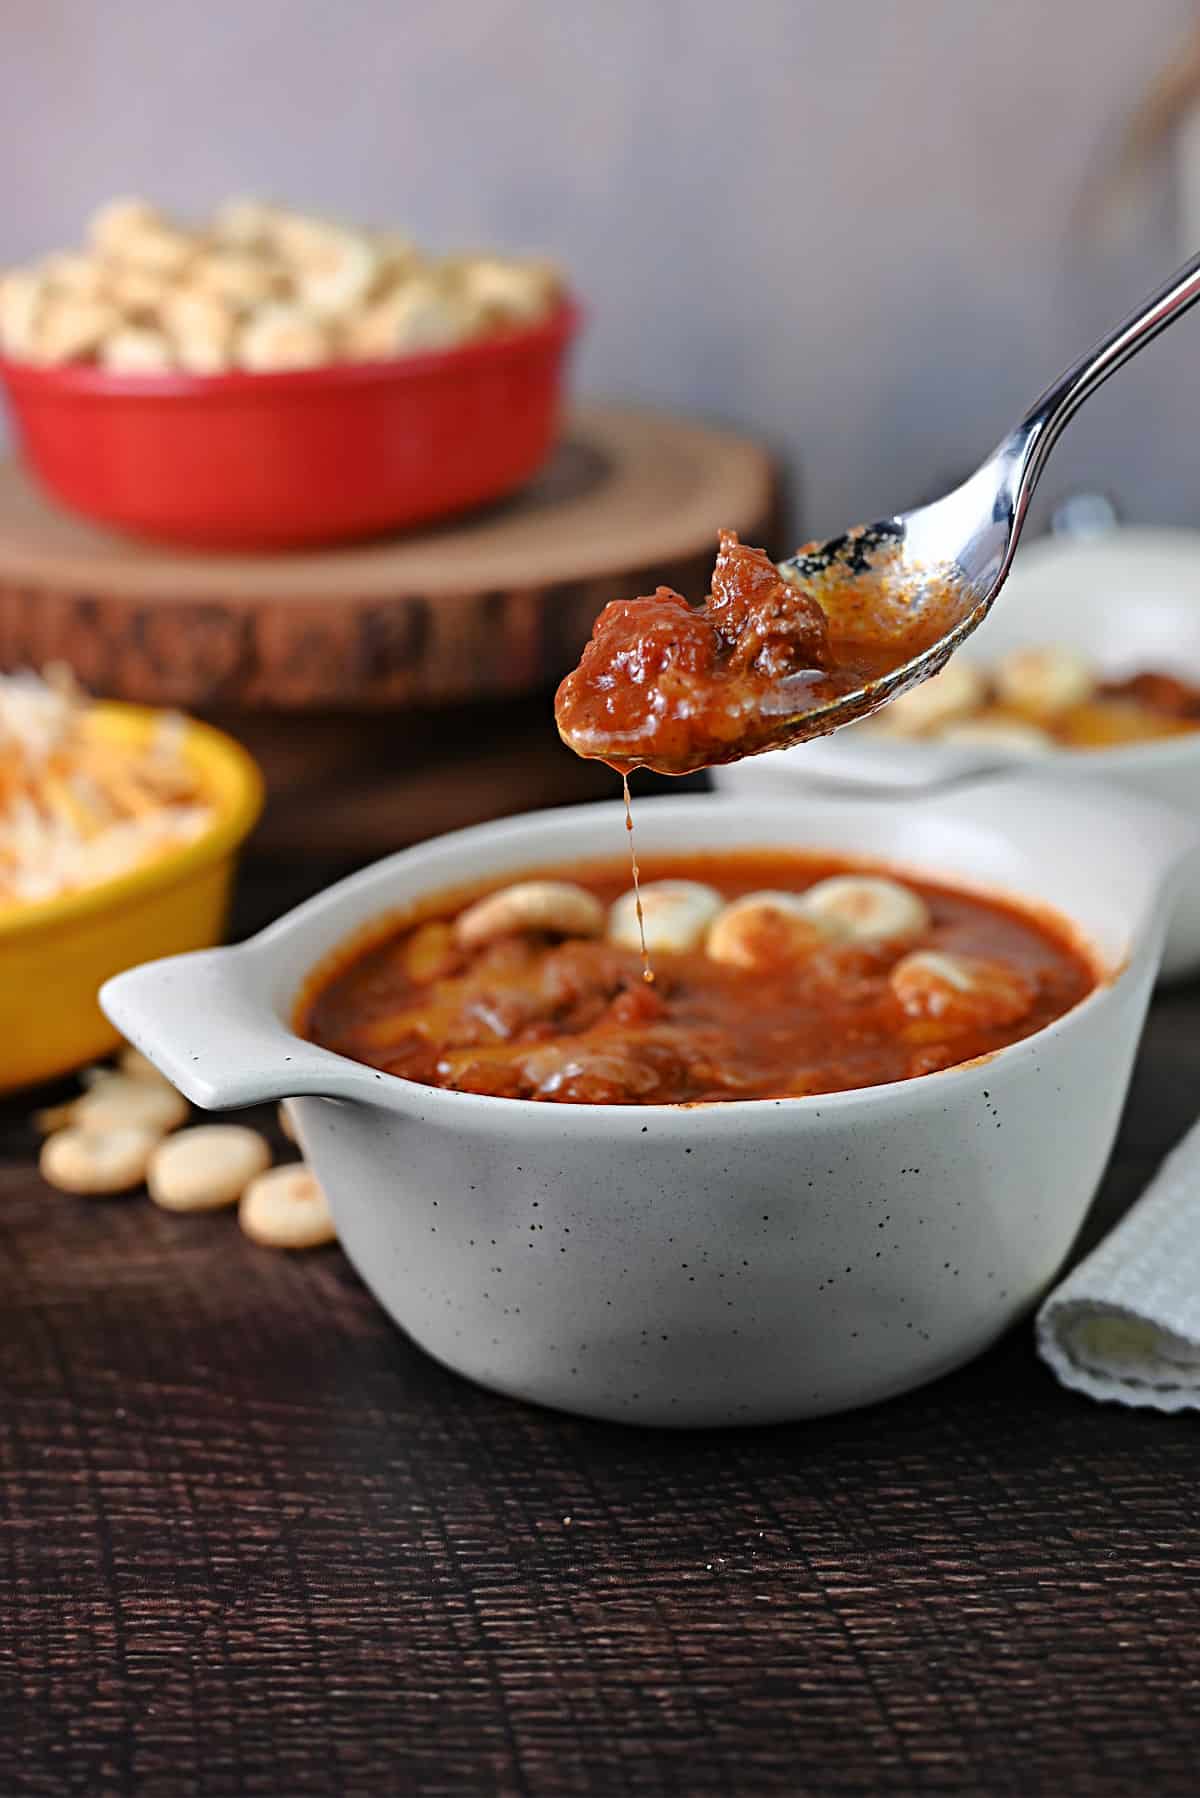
(497, 603)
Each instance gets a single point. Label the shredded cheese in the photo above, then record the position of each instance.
(76, 806)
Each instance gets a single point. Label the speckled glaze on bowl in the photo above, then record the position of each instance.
(709, 1264)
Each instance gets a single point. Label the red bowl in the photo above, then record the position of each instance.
(263, 461)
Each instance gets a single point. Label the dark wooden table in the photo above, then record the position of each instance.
(251, 1541)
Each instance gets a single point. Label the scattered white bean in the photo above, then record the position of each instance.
(865, 908)
(919, 972)
(206, 1167)
(285, 1208)
(91, 1160)
(676, 915)
(284, 1119)
(764, 927)
(114, 1100)
(555, 906)
(951, 991)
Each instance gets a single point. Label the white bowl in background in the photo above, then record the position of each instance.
(721, 1263)
(1129, 600)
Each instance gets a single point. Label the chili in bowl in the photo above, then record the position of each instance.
(765, 974)
(580, 1205)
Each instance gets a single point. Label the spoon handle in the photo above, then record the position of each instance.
(1025, 450)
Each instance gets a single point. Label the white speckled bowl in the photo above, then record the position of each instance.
(710, 1264)
(1129, 600)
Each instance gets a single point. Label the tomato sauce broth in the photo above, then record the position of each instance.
(571, 1020)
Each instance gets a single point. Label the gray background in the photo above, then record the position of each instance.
(848, 225)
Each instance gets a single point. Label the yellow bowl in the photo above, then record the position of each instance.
(56, 954)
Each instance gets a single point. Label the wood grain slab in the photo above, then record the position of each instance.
(495, 604)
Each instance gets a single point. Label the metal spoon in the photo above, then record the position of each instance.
(962, 544)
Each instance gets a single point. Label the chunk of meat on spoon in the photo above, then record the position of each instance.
(672, 687)
(665, 685)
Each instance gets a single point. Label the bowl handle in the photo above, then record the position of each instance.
(205, 1023)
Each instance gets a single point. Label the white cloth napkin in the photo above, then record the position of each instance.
(1124, 1326)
